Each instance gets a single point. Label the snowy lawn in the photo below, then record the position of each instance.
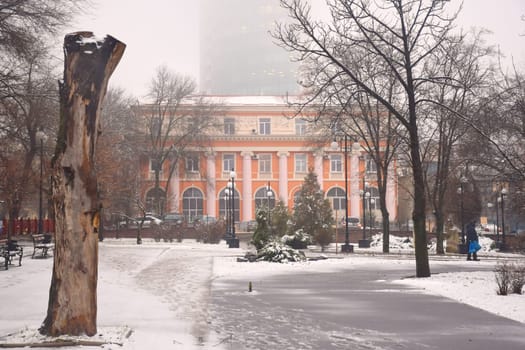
(156, 296)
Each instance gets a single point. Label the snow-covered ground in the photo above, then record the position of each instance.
(156, 295)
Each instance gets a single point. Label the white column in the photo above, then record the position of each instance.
(391, 193)
(318, 167)
(211, 196)
(283, 176)
(247, 200)
(174, 192)
(355, 180)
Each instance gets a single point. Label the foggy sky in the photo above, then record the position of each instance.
(166, 32)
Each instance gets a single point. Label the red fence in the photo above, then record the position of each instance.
(27, 226)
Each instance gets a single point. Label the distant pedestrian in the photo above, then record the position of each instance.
(472, 242)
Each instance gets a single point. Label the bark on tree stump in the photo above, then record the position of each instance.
(89, 63)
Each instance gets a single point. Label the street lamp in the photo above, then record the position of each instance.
(347, 247)
(234, 241)
(503, 194)
(41, 137)
(364, 243)
(269, 194)
(463, 249)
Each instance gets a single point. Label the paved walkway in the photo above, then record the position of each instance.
(352, 310)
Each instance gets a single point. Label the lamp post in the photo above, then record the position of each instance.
(227, 211)
(461, 189)
(498, 201)
(269, 196)
(347, 247)
(41, 137)
(234, 241)
(370, 202)
(364, 243)
(503, 194)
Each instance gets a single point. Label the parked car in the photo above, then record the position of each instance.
(174, 219)
(203, 220)
(147, 221)
(352, 222)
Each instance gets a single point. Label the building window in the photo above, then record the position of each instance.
(155, 201)
(265, 126)
(337, 197)
(336, 163)
(229, 126)
(228, 162)
(262, 200)
(192, 203)
(371, 166)
(300, 163)
(192, 163)
(300, 127)
(265, 163)
(154, 165)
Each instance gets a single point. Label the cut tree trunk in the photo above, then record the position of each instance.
(89, 63)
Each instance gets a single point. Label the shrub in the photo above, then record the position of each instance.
(275, 251)
(298, 240)
(323, 237)
(503, 277)
(510, 277)
(517, 278)
(211, 233)
(261, 235)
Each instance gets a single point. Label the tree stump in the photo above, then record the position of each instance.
(89, 63)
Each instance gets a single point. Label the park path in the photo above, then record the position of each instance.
(178, 275)
(358, 308)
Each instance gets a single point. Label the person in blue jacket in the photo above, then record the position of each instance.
(472, 242)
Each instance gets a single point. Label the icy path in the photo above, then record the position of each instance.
(179, 278)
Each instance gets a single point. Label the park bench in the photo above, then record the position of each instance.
(9, 250)
(42, 243)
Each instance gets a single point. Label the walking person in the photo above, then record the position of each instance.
(472, 240)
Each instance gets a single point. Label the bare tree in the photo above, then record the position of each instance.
(30, 107)
(399, 36)
(465, 62)
(24, 24)
(173, 126)
(89, 63)
(351, 111)
(118, 154)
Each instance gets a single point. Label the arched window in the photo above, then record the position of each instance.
(156, 201)
(192, 203)
(337, 198)
(225, 204)
(261, 198)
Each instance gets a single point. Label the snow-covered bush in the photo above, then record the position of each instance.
(275, 251)
(298, 240)
(503, 277)
(261, 235)
(517, 278)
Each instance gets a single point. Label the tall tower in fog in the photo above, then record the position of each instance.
(237, 55)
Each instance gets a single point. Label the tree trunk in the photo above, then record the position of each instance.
(440, 236)
(418, 216)
(89, 63)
